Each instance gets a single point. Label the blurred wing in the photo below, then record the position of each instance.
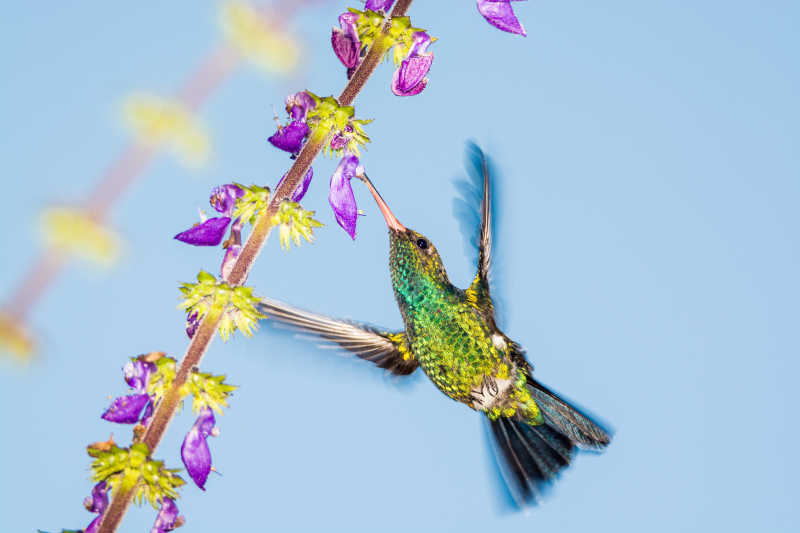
(385, 349)
(475, 209)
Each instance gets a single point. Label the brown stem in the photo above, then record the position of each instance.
(205, 333)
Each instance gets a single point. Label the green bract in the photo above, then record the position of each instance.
(208, 391)
(130, 469)
(237, 305)
(370, 24)
(334, 124)
(294, 222)
(252, 203)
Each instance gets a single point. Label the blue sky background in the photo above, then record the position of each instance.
(649, 258)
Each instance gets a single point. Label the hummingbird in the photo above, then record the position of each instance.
(452, 335)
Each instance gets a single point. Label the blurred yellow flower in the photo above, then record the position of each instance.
(260, 42)
(76, 233)
(156, 120)
(14, 339)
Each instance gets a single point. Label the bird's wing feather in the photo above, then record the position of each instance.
(389, 350)
(477, 200)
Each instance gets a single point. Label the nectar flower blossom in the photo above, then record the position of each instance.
(96, 503)
(167, 518)
(500, 14)
(341, 197)
(291, 137)
(210, 232)
(346, 43)
(195, 453)
(409, 79)
(128, 409)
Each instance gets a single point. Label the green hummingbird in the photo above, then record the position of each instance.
(452, 335)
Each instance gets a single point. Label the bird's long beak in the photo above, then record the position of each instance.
(391, 220)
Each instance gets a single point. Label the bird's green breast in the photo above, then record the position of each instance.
(448, 336)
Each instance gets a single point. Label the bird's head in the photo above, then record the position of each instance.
(415, 264)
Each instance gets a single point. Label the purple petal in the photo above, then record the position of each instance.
(290, 138)
(345, 48)
(209, 233)
(500, 14)
(148, 413)
(94, 526)
(379, 5)
(301, 188)
(98, 501)
(223, 198)
(126, 409)
(194, 450)
(341, 195)
(192, 322)
(167, 518)
(409, 79)
(231, 253)
(298, 105)
(137, 373)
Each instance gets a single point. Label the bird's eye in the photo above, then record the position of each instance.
(422, 244)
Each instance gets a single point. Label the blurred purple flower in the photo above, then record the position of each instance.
(208, 233)
(290, 138)
(96, 503)
(126, 409)
(345, 41)
(167, 518)
(500, 14)
(223, 198)
(341, 197)
(409, 79)
(379, 5)
(194, 450)
(148, 413)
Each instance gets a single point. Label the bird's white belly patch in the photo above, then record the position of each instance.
(491, 393)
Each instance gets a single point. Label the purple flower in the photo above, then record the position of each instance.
(126, 409)
(290, 138)
(194, 450)
(409, 79)
(223, 198)
(192, 322)
(298, 105)
(208, 233)
(96, 503)
(137, 374)
(379, 5)
(341, 195)
(167, 518)
(500, 14)
(148, 413)
(231, 254)
(345, 41)
(301, 188)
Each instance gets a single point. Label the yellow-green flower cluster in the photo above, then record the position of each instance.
(294, 222)
(131, 469)
(335, 124)
(252, 203)
(237, 305)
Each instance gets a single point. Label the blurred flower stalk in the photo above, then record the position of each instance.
(254, 34)
(223, 304)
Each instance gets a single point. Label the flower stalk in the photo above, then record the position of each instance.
(207, 328)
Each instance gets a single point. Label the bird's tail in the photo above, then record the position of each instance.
(530, 456)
